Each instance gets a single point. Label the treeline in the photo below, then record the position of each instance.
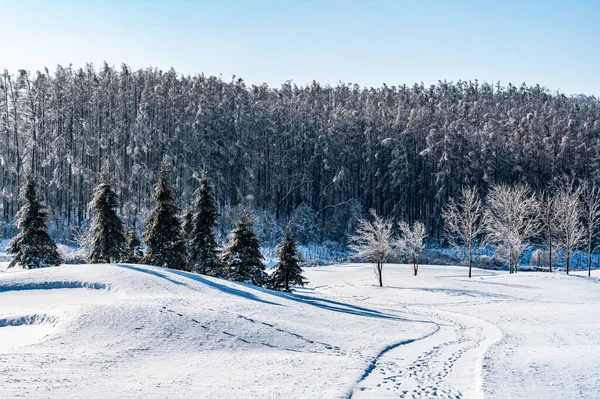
(317, 156)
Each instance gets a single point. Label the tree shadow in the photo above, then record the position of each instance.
(336, 306)
(161, 272)
(456, 292)
(147, 270)
(509, 285)
(591, 279)
(321, 303)
(342, 307)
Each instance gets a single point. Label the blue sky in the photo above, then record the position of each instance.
(553, 43)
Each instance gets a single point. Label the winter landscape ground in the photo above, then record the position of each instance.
(147, 332)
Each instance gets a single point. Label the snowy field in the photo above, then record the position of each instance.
(129, 331)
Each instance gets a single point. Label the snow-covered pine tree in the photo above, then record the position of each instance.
(165, 245)
(186, 224)
(242, 258)
(108, 240)
(32, 247)
(133, 251)
(287, 271)
(203, 246)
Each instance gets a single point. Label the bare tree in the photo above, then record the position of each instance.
(590, 208)
(547, 221)
(373, 241)
(463, 222)
(511, 219)
(570, 233)
(411, 242)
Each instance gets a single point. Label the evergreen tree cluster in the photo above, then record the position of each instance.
(184, 244)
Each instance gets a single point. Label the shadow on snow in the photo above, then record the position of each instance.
(321, 303)
(161, 272)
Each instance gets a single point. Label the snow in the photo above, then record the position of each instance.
(146, 332)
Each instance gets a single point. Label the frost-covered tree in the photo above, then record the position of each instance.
(306, 224)
(287, 271)
(107, 239)
(570, 233)
(133, 250)
(590, 210)
(411, 242)
(32, 247)
(165, 245)
(203, 250)
(401, 150)
(463, 222)
(242, 258)
(547, 219)
(373, 241)
(511, 220)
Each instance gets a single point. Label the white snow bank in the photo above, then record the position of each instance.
(146, 332)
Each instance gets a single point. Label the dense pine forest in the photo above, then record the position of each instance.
(319, 156)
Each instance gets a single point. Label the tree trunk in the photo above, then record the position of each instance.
(380, 273)
(470, 261)
(550, 258)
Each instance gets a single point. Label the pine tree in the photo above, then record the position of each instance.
(108, 241)
(133, 251)
(186, 224)
(288, 270)
(242, 258)
(203, 246)
(165, 245)
(32, 247)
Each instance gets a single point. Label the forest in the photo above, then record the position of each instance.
(316, 156)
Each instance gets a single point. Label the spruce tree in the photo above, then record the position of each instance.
(242, 258)
(203, 246)
(186, 224)
(133, 251)
(163, 238)
(287, 271)
(108, 240)
(32, 247)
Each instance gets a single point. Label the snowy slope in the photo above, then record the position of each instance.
(139, 331)
(135, 331)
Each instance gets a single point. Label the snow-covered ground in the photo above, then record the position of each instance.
(145, 332)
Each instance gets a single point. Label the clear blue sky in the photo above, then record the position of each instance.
(553, 43)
